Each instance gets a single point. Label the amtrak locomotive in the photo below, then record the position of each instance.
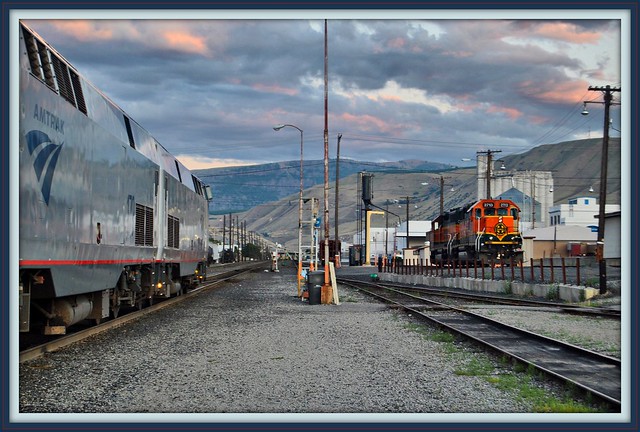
(108, 218)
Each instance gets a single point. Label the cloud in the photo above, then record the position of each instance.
(211, 90)
(186, 42)
(567, 32)
(84, 29)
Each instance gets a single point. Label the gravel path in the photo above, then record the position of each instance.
(254, 347)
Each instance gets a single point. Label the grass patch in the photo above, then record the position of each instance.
(476, 367)
(554, 292)
(417, 328)
(520, 380)
(348, 299)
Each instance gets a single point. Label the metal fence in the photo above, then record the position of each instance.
(574, 271)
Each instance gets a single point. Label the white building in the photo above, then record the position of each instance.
(612, 237)
(532, 191)
(381, 241)
(417, 234)
(581, 211)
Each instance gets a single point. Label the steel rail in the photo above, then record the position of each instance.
(497, 299)
(592, 372)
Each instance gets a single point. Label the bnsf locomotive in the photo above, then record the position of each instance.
(486, 231)
(108, 218)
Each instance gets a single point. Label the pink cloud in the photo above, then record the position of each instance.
(391, 98)
(186, 42)
(396, 43)
(567, 32)
(83, 30)
(274, 89)
(552, 92)
(367, 122)
(512, 113)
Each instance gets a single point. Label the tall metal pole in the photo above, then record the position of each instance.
(386, 230)
(407, 198)
(489, 154)
(299, 276)
(335, 217)
(441, 196)
(327, 284)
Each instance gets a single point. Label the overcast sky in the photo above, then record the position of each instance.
(211, 90)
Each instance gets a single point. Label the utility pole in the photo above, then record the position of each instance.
(335, 218)
(607, 90)
(326, 288)
(407, 198)
(386, 231)
(224, 235)
(489, 154)
(442, 194)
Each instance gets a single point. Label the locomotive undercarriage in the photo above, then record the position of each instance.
(137, 287)
(469, 254)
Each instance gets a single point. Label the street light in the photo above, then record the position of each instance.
(277, 128)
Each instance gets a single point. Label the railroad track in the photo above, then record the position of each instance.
(503, 300)
(594, 373)
(226, 273)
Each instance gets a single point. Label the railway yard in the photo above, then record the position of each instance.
(249, 348)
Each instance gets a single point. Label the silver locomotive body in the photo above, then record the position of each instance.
(108, 218)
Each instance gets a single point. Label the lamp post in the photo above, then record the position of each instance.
(299, 277)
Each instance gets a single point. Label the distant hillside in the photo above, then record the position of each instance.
(237, 189)
(575, 166)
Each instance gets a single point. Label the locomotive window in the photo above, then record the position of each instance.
(196, 185)
(503, 212)
(489, 212)
(478, 213)
(127, 123)
(514, 212)
(178, 170)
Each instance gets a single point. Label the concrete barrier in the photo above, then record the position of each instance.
(554, 291)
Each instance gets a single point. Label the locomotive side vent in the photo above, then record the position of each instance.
(173, 234)
(144, 225)
(49, 68)
(64, 82)
(77, 89)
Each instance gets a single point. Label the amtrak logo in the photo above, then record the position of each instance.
(45, 161)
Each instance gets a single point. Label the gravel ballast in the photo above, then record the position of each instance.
(252, 346)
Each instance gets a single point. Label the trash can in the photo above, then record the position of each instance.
(314, 286)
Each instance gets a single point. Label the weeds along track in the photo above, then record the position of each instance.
(595, 374)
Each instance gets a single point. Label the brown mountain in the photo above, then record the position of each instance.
(575, 166)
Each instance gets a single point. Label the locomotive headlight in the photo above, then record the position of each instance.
(197, 271)
(159, 285)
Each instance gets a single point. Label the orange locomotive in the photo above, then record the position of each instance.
(485, 231)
